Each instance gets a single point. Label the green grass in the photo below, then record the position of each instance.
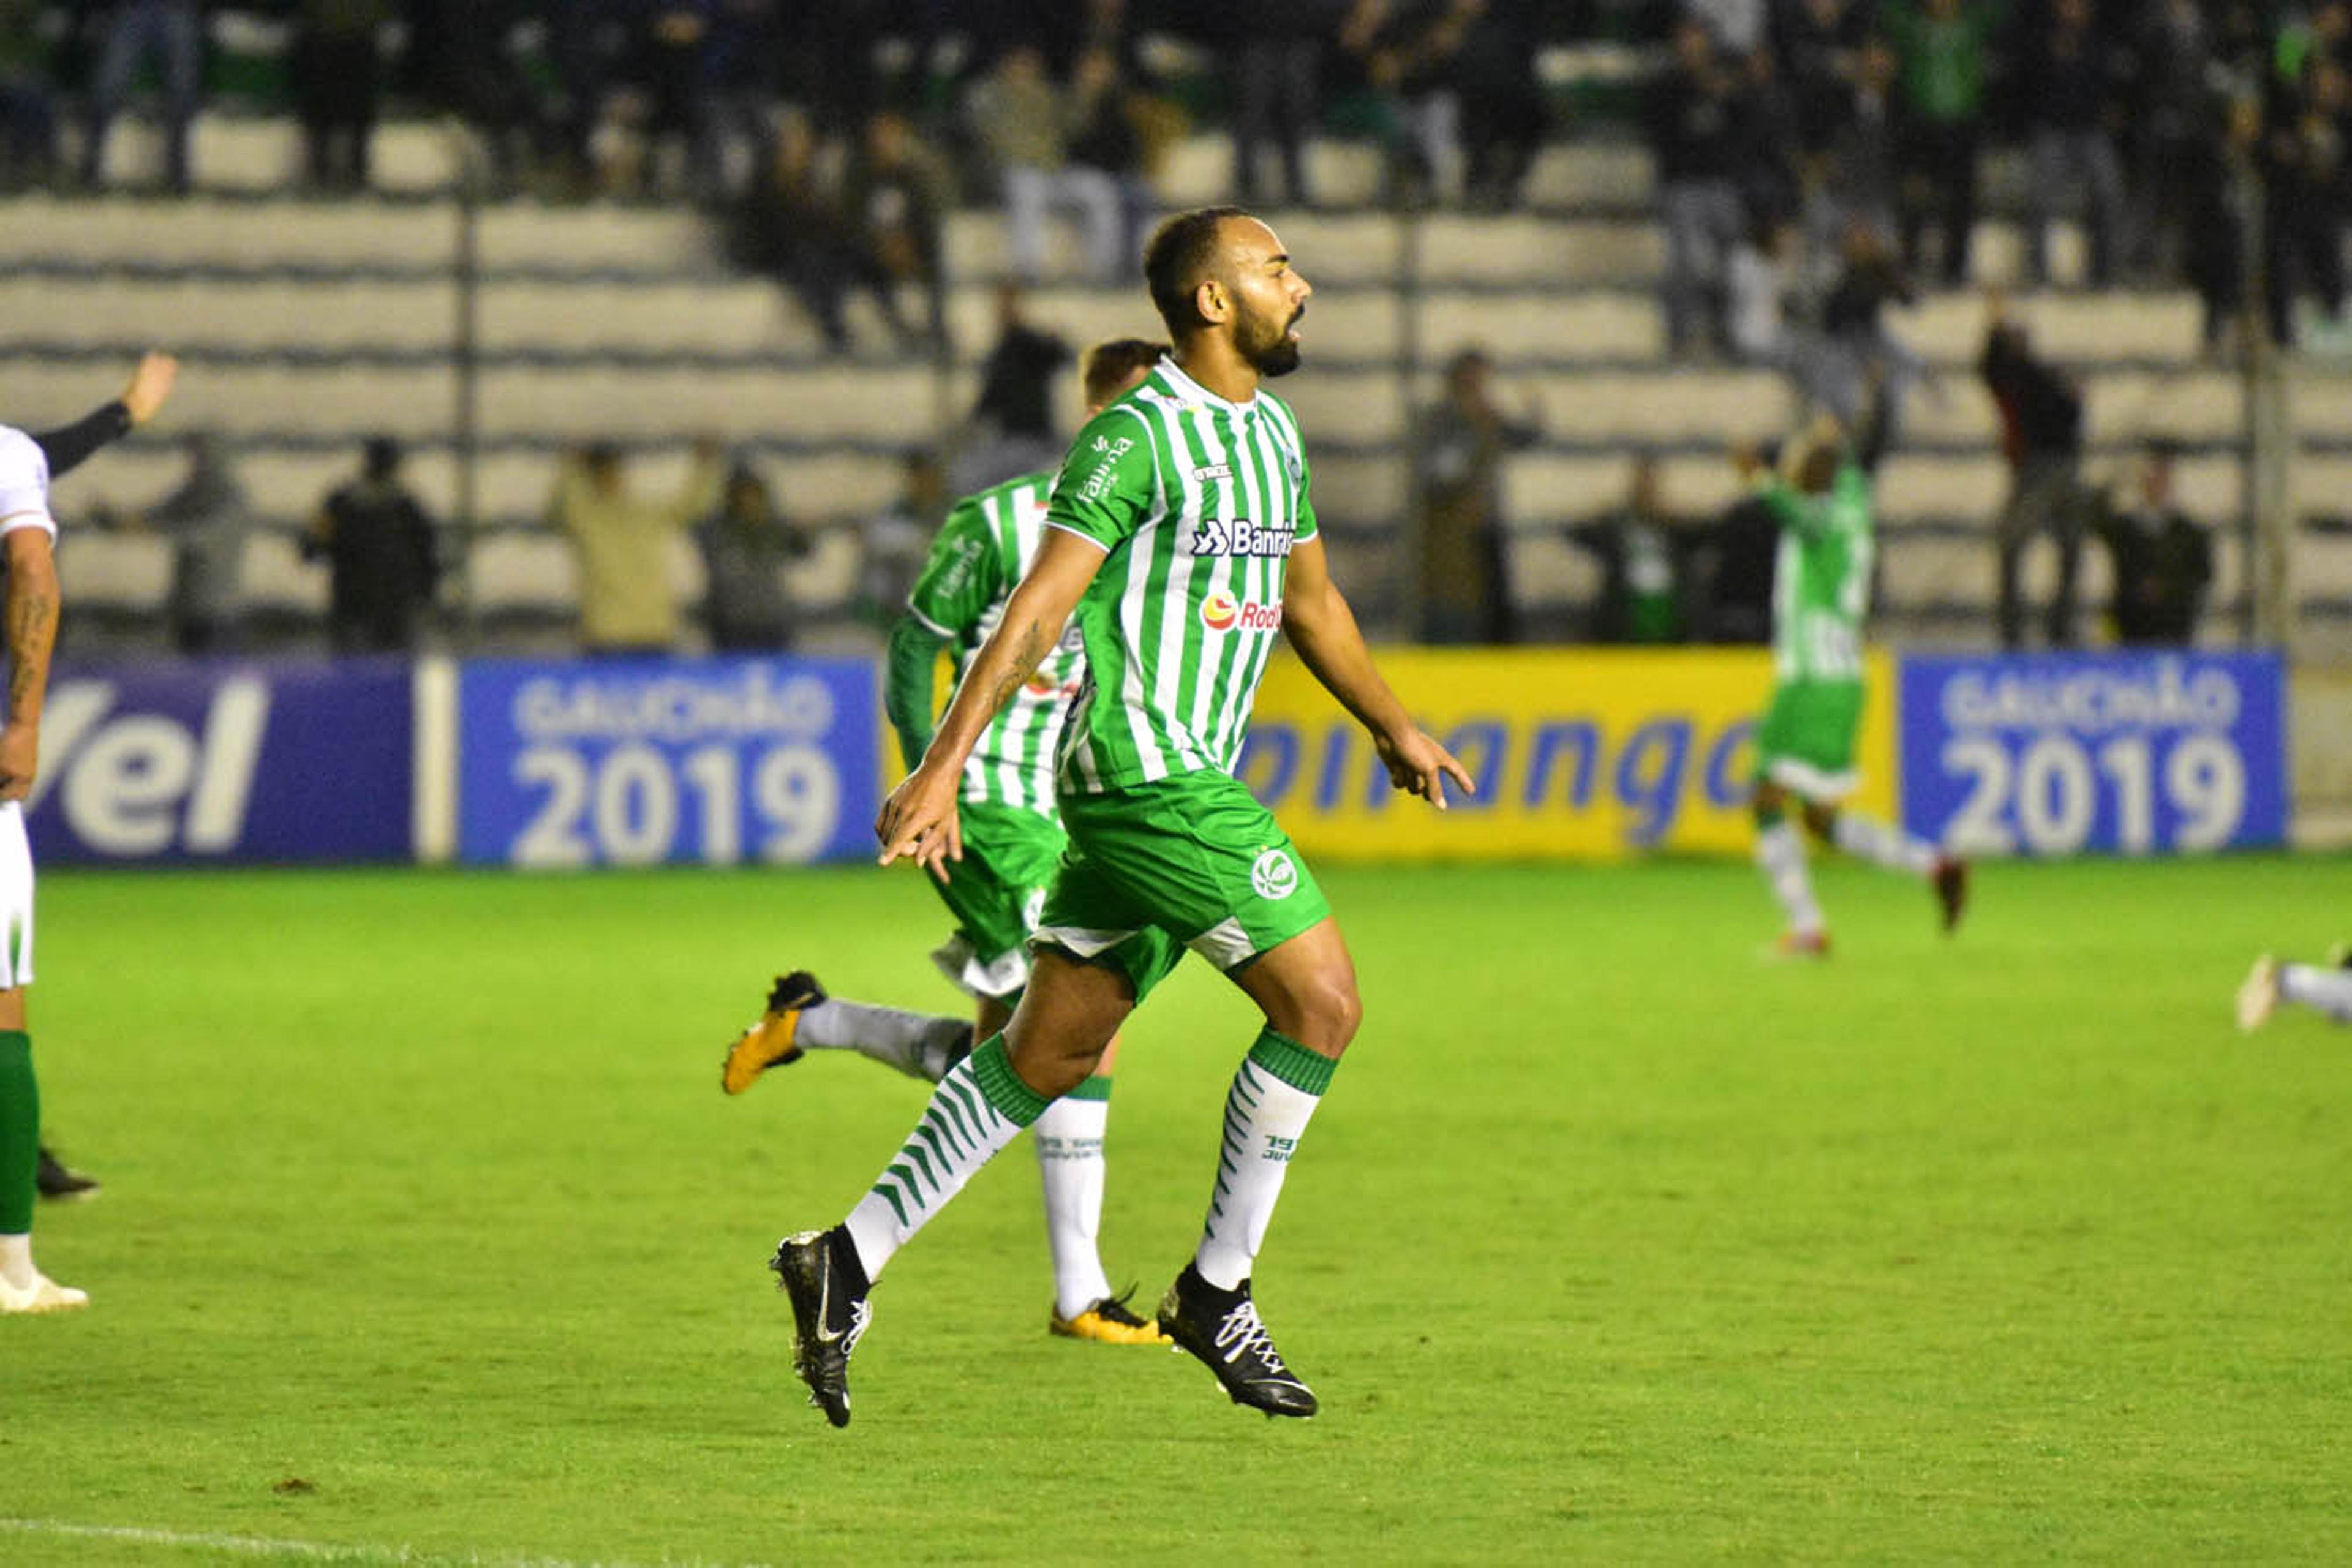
(427, 1230)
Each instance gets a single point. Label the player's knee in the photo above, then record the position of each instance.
(1328, 1011)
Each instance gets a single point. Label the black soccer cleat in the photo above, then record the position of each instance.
(820, 1271)
(54, 1180)
(1222, 1330)
(1951, 883)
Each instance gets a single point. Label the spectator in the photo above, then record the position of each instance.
(1025, 120)
(1013, 422)
(895, 198)
(1946, 55)
(1864, 358)
(2304, 169)
(209, 520)
(1735, 27)
(1742, 549)
(2226, 197)
(745, 544)
(1643, 558)
(2171, 126)
(170, 33)
(789, 226)
(1764, 138)
(1277, 79)
(334, 71)
(896, 541)
(29, 116)
(2163, 561)
(2041, 435)
(1858, 176)
(1105, 137)
(1689, 114)
(1820, 43)
(1459, 446)
(2068, 92)
(624, 542)
(378, 543)
(1503, 110)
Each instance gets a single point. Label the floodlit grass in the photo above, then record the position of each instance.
(427, 1231)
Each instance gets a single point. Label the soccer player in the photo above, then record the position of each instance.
(2323, 988)
(29, 603)
(1804, 746)
(1012, 839)
(1181, 533)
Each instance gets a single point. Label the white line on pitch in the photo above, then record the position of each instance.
(263, 1546)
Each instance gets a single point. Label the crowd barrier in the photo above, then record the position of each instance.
(1575, 753)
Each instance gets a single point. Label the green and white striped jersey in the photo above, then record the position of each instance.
(1820, 582)
(981, 555)
(1198, 502)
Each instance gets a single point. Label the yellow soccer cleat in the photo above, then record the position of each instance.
(1108, 1322)
(769, 1043)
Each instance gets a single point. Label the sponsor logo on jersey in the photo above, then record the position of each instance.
(1109, 451)
(1212, 472)
(1221, 612)
(1238, 536)
(1274, 876)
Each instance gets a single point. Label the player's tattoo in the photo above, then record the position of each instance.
(1028, 655)
(31, 631)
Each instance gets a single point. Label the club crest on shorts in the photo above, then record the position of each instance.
(1274, 875)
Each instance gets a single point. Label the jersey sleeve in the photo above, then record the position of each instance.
(1109, 482)
(1790, 510)
(24, 485)
(960, 578)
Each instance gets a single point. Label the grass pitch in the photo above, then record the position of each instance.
(427, 1235)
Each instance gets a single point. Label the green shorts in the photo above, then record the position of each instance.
(1191, 861)
(994, 892)
(1805, 744)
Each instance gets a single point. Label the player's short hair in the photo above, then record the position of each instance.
(1110, 362)
(1181, 257)
(1817, 467)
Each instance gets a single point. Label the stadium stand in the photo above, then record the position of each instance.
(308, 325)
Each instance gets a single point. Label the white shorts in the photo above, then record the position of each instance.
(15, 898)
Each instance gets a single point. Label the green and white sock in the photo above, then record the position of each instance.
(20, 1153)
(1882, 844)
(1781, 855)
(979, 1106)
(1275, 1092)
(921, 1044)
(1069, 1138)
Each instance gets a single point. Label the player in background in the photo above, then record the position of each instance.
(1013, 838)
(29, 603)
(2322, 988)
(1181, 534)
(1804, 745)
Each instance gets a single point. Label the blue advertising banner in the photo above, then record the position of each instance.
(226, 761)
(2133, 753)
(646, 761)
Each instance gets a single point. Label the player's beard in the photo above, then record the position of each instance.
(1266, 343)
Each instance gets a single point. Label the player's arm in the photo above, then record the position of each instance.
(67, 449)
(919, 821)
(30, 607)
(960, 578)
(1320, 626)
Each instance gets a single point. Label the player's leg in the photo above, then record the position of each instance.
(1883, 844)
(1071, 1170)
(1780, 856)
(23, 1287)
(2323, 988)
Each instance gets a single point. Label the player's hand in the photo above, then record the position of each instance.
(919, 823)
(1418, 765)
(20, 748)
(150, 384)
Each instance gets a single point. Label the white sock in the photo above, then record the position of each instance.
(980, 1105)
(921, 1044)
(1275, 1092)
(2327, 989)
(1882, 844)
(1781, 854)
(17, 1262)
(1070, 1165)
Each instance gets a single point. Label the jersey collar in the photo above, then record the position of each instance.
(1191, 391)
